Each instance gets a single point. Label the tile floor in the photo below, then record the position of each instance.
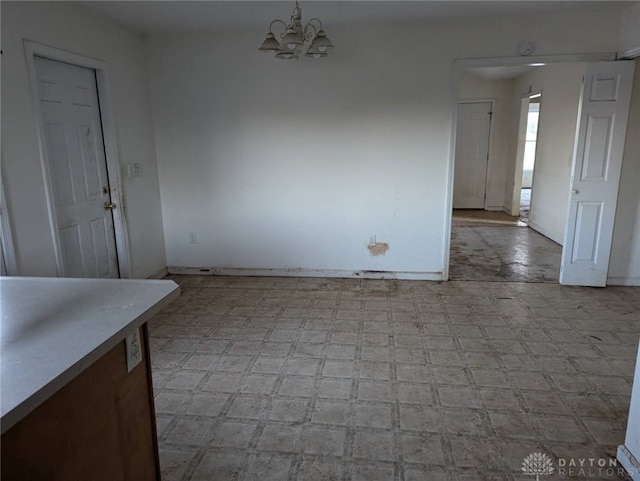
(504, 253)
(328, 379)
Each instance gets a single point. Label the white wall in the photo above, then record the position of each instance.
(277, 164)
(624, 266)
(560, 85)
(501, 91)
(70, 27)
(630, 30)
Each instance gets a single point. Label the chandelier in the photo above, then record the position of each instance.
(294, 37)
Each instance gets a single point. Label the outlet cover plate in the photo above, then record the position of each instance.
(134, 349)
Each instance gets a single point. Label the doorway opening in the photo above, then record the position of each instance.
(574, 174)
(529, 156)
(493, 241)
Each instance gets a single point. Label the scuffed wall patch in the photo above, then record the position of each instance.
(378, 249)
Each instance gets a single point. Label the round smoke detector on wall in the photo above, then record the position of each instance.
(525, 48)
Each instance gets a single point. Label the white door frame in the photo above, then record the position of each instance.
(33, 49)
(458, 66)
(9, 265)
(489, 148)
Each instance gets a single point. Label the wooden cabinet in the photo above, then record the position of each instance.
(100, 426)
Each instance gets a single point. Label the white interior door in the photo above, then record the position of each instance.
(472, 155)
(602, 125)
(77, 169)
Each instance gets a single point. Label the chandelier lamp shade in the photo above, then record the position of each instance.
(294, 38)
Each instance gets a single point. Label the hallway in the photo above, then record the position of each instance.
(499, 248)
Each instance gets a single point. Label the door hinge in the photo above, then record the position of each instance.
(490, 114)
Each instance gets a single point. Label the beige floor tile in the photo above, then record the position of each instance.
(372, 473)
(174, 463)
(374, 446)
(232, 434)
(374, 416)
(331, 412)
(269, 468)
(283, 438)
(334, 389)
(314, 469)
(324, 441)
(205, 404)
(216, 465)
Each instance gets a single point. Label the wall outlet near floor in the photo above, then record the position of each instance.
(193, 238)
(134, 349)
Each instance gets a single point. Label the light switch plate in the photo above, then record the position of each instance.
(134, 349)
(134, 170)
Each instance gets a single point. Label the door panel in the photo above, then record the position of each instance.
(602, 125)
(588, 219)
(77, 168)
(72, 250)
(472, 148)
(93, 172)
(100, 234)
(596, 160)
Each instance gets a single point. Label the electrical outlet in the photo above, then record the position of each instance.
(134, 349)
(526, 48)
(193, 238)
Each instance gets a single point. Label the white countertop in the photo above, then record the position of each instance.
(53, 328)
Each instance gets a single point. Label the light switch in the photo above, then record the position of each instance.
(134, 170)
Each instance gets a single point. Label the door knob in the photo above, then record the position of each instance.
(109, 205)
(575, 191)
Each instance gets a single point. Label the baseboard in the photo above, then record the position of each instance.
(494, 208)
(629, 462)
(545, 232)
(162, 273)
(623, 281)
(299, 272)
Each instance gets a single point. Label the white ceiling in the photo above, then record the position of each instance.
(181, 16)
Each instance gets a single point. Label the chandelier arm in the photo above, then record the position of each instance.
(277, 20)
(307, 34)
(319, 23)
